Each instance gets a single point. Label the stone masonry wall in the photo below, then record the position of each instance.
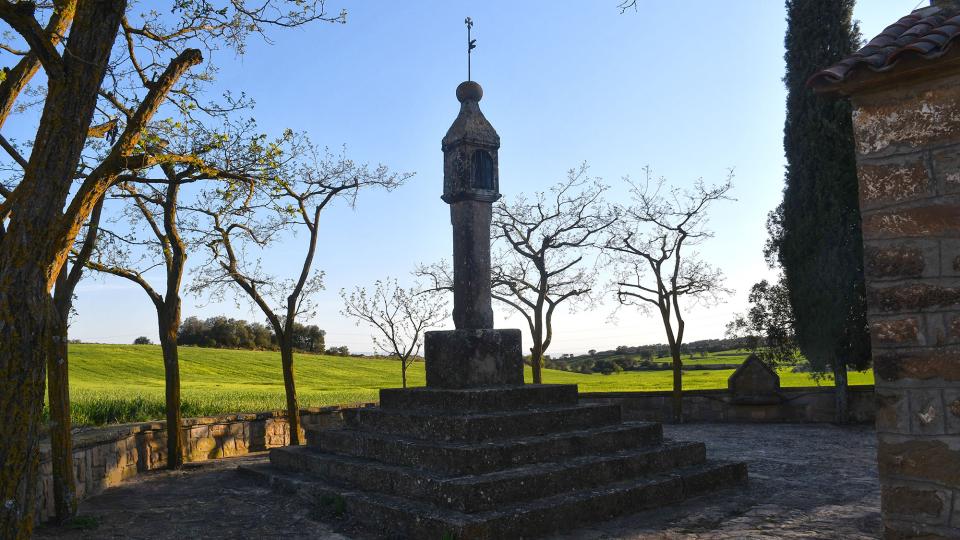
(107, 456)
(908, 153)
(814, 404)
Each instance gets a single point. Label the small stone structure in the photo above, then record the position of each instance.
(478, 454)
(754, 383)
(905, 90)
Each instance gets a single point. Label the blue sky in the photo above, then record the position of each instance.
(689, 88)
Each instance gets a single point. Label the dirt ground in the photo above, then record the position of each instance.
(806, 481)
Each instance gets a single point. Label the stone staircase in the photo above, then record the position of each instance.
(499, 462)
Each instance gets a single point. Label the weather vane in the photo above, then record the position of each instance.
(471, 43)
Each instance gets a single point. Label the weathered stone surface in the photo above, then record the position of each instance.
(485, 457)
(931, 220)
(892, 182)
(909, 501)
(897, 261)
(473, 358)
(921, 459)
(479, 399)
(472, 307)
(904, 120)
(895, 331)
(918, 364)
(912, 297)
(893, 412)
(946, 169)
(486, 426)
(755, 383)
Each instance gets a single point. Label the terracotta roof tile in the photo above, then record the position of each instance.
(927, 33)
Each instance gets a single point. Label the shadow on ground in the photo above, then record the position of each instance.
(806, 481)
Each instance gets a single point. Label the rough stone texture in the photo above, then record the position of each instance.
(471, 264)
(754, 383)
(505, 473)
(473, 358)
(908, 143)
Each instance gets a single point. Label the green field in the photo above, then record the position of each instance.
(124, 383)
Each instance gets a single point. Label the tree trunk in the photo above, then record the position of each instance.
(171, 372)
(403, 372)
(677, 395)
(293, 408)
(32, 251)
(61, 440)
(840, 380)
(536, 362)
(28, 323)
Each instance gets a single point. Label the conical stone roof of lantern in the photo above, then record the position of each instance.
(470, 125)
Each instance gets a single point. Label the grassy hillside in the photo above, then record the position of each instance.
(124, 383)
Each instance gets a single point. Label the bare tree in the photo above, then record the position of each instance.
(248, 222)
(102, 85)
(399, 316)
(651, 247)
(543, 242)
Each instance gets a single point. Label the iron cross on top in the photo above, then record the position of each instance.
(471, 43)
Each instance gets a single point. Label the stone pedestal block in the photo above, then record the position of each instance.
(473, 358)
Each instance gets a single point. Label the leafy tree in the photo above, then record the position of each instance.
(767, 328)
(815, 233)
(148, 57)
(154, 207)
(243, 223)
(142, 340)
(399, 316)
(650, 247)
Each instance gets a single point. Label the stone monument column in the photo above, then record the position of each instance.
(474, 354)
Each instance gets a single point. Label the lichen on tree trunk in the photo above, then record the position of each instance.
(61, 441)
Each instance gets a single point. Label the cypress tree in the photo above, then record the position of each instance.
(815, 233)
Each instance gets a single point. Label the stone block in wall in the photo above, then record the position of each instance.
(927, 413)
(894, 182)
(935, 219)
(950, 257)
(901, 259)
(893, 412)
(896, 332)
(945, 163)
(931, 460)
(922, 364)
(951, 403)
(903, 121)
(930, 505)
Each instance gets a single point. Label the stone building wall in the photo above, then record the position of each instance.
(908, 152)
(814, 404)
(107, 456)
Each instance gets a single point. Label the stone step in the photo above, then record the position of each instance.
(477, 400)
(477, 493)
(398, 516)
(477, 458)
(485, 426)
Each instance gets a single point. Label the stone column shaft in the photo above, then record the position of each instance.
(471, 264)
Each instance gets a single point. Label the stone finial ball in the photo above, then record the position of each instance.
(469, 90)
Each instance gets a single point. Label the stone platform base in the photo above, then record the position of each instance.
(473, 358)
(509, 462)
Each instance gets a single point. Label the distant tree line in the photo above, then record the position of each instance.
(228, 333)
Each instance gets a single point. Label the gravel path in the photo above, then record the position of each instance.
(806, 481)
